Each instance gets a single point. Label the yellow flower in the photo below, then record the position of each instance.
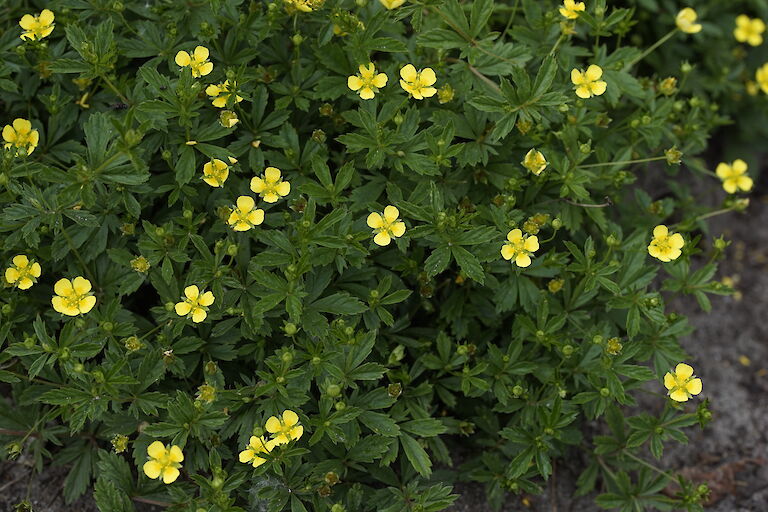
(163, 462)
(257, 446)
(588, 83)
(216, 172)
(392, 4)
(535, 162)
(72, 297)
(418, 83)
(245, 215)
(22, 273)
(195, 304)
(761, 77)
(686, 21)
(749, 30)
(571, 9)
(220, 93)
(21, 136)
(367, 83)
(665, 246)
(37, 27)
(270, 186)
(228, 119)
(519, 247)
(198, 62)
(734, 176)
(682, 384)
(299, 5)
(386, 226)
(286, 428)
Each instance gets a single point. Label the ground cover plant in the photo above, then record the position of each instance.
(299, 254)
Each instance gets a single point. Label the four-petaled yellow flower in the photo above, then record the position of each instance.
(73, 297)
(681, 383)
(198, 62)
(302, 5)
(665, 246)
(367, 82)
(761, 77)
(270, 186)
(256, 447)
(245, 215)
(519, 247)
(418, 83)
(571, 9)
(534, 161)
(195, 304)
(37, 27)
(734, 176)
(22, 273)
(392, 4)
(164, 462)
(386, 226)
(220, 93)
(686, 21)
(588, 83)
(749, 30)
(21, 136)
(286, 428)
(216, 172)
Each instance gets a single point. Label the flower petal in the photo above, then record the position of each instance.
(245, 203)
(290, 418)
(152, 469)
(170, 474)
(272, 174)
(198, 315)
(183, 59)
(408, 73)
(374, 220)
(183, 308)
(206, 299)
(391, 213)
(272, 425)
(660, 231)
(382, 239)
(694, 386)
(63, 287)
(81, 285)
(683, 371)
(156, 450)
(201, 53)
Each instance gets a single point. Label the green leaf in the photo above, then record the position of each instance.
(416, 455)
(339, 304)
(437, 261)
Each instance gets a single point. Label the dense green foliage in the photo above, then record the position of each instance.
(413, 365)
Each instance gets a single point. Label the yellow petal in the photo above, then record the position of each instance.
(81, 285)
(354, 82)
(723, 170)
(58, 304)
(272, 425)
(594, 73)
(598, 88)
(46, 17)
(9, 134)
(374, 220)
(175, 454)
(408, 73)
(679, 395)
(20, 261)
(206, 299)
(683, 371)
(283, 189)
(270, 197)
(35, 269)
(256, 217)
(367, 93)
(398, 229)
(382, 239)
(297, 432)
(213, 90)
(86, 303)
(660, 231)
(507, 251)
(532, 244)
(290, 418)
(583, 92)
(11, 275)
(63, 287)
(669, 381)
(183, 59)
(170, 474)
(272, 174)
(183, 308)
(514, 235)
(245, 203)
(523, 260)
(192, 292)
(380, 80)
(740, 166)
(694, 386)
(152, 469)
(22, 126)
(427, 76)
(577, 77)
(205, 69)
(428, 92)
(27, 22)
(676, 241)
(156, 450)
(744, 183)
(198, 315)
(391, 213)
(246, 456)
(201, 53)
(258, 185)
(25, 283)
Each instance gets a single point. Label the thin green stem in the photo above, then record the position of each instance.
(648, 465)
(511, 17)
(650, 49)
(623, 162)
(86, 269)
(109, 84)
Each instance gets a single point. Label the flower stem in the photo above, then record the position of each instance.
(650, 49)
(623, 162)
